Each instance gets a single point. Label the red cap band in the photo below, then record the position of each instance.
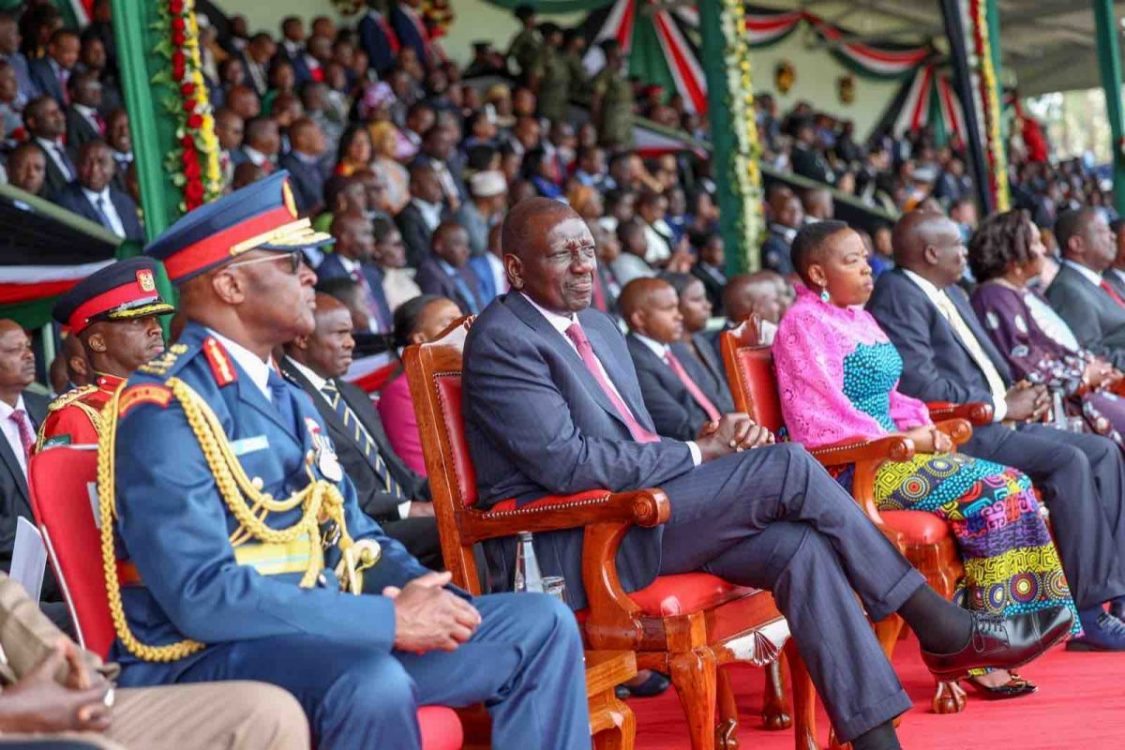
(104, 302)
(216, 248)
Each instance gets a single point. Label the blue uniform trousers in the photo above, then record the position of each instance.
(773, 518)
(524, 663)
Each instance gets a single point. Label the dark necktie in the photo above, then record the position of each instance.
(465, 291)
(692, 387)
(282, 399)
(1114, 295)
(586, 352)
(361, 437)
(103, 217)
(66, 166)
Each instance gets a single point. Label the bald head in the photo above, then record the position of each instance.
(638, 294)
(549, 254)
(354, 236)
(930, 245)
(753, 293)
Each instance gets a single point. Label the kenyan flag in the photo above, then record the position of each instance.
(44, 251)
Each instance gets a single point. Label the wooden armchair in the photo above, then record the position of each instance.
(925, 540)
(686, 625)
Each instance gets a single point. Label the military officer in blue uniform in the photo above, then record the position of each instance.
(234, 544)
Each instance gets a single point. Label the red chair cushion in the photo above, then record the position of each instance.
(681, 594)
(756, 364)
(449, 391)
(916, 526)
(62, 503)
(549, 501)
(441, 729)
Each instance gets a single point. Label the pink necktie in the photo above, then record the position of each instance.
(27, 438)
(1110, 291)
(586, 352)
(704, 402)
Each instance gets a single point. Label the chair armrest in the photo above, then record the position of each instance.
(958, 430)
(889, 448)
(649, 507)
(977, 413)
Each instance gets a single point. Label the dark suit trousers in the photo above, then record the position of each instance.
(1082, 478)
(420, 537)
(773, 518)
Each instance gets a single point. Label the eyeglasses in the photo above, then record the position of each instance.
(295, 258)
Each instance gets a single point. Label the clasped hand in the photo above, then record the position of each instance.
(37, 703)
(731, 433)
(929, 439)
(430, 618)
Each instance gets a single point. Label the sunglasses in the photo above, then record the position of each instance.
(294, 258)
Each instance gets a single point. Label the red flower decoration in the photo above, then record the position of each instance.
(178, 65)
(176, 6)
(187, 141)
(193, 194)
(178, 24)
(191, 171)
(195, 121)
(189, 105)
(188, 89)
(178, 38)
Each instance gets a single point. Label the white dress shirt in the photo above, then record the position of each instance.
(1089, 274)
(431, 212)
(90, 115)
(940, 300)
(560, 323)
(106, 207)
(12, 431)
(318, 383)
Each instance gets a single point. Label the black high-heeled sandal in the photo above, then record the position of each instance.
(1015, 687)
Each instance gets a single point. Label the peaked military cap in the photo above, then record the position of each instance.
(260, 216)
(121, 291)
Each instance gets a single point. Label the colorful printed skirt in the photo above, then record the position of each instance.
(1011, 564)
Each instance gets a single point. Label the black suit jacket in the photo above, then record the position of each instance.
(43, 76)
(936, 365)
(432, 279)
(416, 234)
(775, 253)
(1096, 319)
(714, 374)
(713, 282)
(79, 130)
(73, 199)
(307, 181)
(371, 493)
(674, 412)
(16, 498)
(55, 180)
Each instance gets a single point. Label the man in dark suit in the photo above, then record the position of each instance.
(420, 217)
(353, 258)
(439, 151)
(292, 49)
(387, 490)
(21, 413)
(51, 72)
(256, 61)
(807, 160)
(377, 38)
(93, 197)
(1080, 293)
(411, 30)
(84, 123)
(47, 126)
(948, 356)
(676, 388)
(786, 217)
(552, 406)
(306, 167)
(446, 272)
(711, 268)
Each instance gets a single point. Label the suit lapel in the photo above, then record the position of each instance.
(709, 359)
(14, 469)
(534, 319)
(249, 395)
(617, 373)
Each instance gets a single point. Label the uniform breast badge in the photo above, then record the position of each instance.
(324, 455)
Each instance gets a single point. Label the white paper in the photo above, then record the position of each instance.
(29, 558)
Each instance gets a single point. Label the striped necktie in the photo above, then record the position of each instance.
(361, 436)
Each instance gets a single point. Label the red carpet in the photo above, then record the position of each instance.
(1080, 704)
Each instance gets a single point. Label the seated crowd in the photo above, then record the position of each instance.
(599, 285)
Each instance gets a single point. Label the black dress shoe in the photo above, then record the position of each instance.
(1117, 609)
(655, 684)
(1002, 643)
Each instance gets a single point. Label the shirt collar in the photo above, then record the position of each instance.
(48, 143)
(255, 155)
(6, 411)
(926, 286)
(315, 380)
(1089, 274)
(431, 212)
(660, 350)
(350, 264)
(85, 111)
(787, 232)
(447, 267)
(93, 196)
(559, 322)
(256, 368)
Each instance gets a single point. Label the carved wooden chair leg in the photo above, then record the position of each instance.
(804, 700)
(775, 709)
(694, 673)
(622, 735)
(726, 728)
(949, 698)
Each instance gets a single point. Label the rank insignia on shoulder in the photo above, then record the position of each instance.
(56, 440)
(146, 393)
(160, 365)
(221, 366)
(70, 397)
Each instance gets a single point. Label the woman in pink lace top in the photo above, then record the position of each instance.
(838, 373)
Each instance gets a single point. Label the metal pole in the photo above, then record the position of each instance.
(963, 84)
(1109, 65)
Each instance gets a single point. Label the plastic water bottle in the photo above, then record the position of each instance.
(528, 577)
